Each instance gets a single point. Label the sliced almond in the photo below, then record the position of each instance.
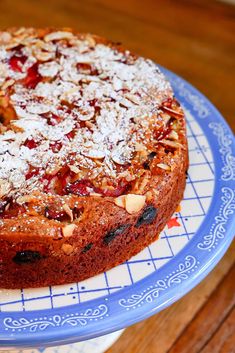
(5, 37)
(43, 56)
(68, 210)
(5, 187)
(68, 230)
(94, 154)
(58, 36)
(164, 166)
(170, 143)
(26, 198)
(8, 84)
(134, 203)
(73, 168)
(96, 194)
(173, 135)
(90, 40)
(120, 201)
(67, 249)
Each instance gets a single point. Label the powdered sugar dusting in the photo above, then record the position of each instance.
(76, 102)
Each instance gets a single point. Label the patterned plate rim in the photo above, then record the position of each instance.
(155, 292)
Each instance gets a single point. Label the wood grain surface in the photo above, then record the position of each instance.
(195, 39)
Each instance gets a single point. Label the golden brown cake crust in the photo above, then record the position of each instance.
(71, 222)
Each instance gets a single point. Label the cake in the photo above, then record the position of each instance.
(93, 155)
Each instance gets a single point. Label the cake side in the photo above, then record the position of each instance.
(90, 172)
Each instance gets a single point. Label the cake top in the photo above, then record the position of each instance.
(77, 113)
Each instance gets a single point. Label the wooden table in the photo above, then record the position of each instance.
(196, 40)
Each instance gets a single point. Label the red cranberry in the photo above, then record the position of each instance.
(16, 62)
(33, 171)
(86, 68)
(79, 187)
(12, 211)
(33, 77)
(119, 190)
(70, 135)
(52, 213)
(30, 143)
(56, 146)
(52, 119)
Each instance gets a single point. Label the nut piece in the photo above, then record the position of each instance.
(69, 212)
(68, 230)
(5, 187)
(134, 203)
(57, 36)
(164, 166)
(67, 249)
(120, 201)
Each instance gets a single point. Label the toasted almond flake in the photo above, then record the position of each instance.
(74, 169)
(94, 154)
(26, 198)
(5, 37)
(120, 201)
(143, 184)
(43, 56)
(8, 84)
(58, 36)
(164, 166)
(68, 230)
(67, 249)
(170, 143)
(68, 210)
(134, 203)
(134, 99)
(149, 196)
(96, 194)
(5, 187)
(90, 40)
(173, 135)
(156, 192)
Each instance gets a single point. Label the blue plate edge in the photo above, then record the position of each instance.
(71, 334)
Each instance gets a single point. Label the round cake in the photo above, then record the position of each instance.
(93, 155)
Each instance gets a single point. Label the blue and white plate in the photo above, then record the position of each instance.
(192, 243)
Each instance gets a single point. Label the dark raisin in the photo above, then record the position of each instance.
(87, 248)
(147, 216)
(115, 232)
(146, 165)
(151, 155)
(27, 257)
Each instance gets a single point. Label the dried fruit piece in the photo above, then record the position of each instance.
(27, 257)
(115, 232)
(16, 62)
(51, 212)
(79, 187)
(33, 77)
(30, 143)
(87, 248)
(147, 217)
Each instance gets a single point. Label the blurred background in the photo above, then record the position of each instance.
(196, 40)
